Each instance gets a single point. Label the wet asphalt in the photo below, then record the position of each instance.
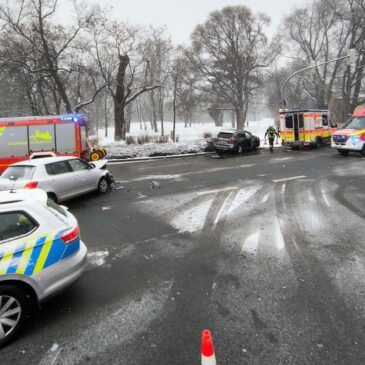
(267, 251)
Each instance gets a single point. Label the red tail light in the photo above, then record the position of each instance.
(232, 140)
(70, 235)
(31, 185)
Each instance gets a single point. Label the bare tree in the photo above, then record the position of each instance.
(351, 15)
(158, 51)
(45, 50)
(120, 52)
(228, 52)
(321, 32)
(314, 31)
(184, 78)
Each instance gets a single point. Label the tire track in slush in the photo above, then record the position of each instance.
(316, 292)
(340, 197)
(193, 279)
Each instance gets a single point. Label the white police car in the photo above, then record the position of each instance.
(40, 254)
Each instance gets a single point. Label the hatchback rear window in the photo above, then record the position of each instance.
(225, 135)
(19, 172)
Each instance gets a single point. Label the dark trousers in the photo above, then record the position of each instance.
(271, 144)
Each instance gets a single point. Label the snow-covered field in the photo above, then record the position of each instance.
(190, 139)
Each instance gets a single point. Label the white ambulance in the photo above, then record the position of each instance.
(305, 127)
(351, 138)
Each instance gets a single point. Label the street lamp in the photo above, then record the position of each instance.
(351, 59)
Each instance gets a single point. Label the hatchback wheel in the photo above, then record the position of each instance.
(15, 306)
(103, 185)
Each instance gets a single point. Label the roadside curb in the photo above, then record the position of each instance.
(136, 159)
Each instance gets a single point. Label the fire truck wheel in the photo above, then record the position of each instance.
(94, 156)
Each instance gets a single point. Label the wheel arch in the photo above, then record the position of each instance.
(52, 193)
(28, 288)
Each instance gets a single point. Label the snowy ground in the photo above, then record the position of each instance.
(191, 139)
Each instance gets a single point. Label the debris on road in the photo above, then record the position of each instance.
(154, 184)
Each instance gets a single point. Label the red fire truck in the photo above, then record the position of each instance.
(25, 138)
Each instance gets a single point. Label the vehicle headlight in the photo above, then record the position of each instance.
(355, 139)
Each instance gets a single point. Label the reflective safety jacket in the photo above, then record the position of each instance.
(271, 133)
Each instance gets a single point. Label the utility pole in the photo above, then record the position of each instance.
(174, 120)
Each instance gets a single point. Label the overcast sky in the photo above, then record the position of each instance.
(181, 16)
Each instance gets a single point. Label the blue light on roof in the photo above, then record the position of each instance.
(73, 117)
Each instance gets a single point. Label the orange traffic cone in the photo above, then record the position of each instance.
(208, 356)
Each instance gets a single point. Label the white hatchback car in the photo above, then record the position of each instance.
(40, 254)
(60, 177)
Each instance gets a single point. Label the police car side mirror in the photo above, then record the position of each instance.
(91, 165)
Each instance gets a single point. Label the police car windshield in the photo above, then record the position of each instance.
(356, 123)
(19, 172)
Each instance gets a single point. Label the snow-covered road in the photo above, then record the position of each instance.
(264, 250)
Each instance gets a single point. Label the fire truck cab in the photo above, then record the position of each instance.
(305, 127)
(23, 138)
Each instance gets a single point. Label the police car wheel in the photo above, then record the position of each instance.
(103, 185)
(344, 152)
(15, 306)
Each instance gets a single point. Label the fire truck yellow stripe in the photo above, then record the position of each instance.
(44, 254)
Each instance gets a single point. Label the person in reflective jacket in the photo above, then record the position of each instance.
(271, 133)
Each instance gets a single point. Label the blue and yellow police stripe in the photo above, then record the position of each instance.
(30, 257)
